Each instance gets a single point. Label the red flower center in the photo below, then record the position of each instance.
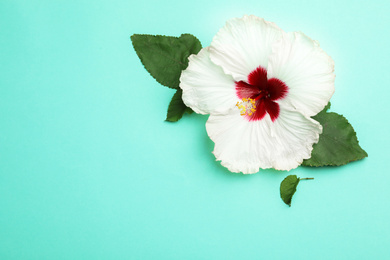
(264, 92)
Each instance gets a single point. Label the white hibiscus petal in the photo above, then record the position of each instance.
(294, 136)
(306, 69)
(206, 88)
(244, 44)
(244, 146)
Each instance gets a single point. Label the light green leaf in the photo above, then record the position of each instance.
(338, 143)
(288, 187)
(177, 108)
(164, 57)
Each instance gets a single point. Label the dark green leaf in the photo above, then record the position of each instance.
(288, 188)
(189, 111)
(338, 144)
(177, 108)
(164, 57)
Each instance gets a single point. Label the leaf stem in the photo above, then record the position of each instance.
(306, 178)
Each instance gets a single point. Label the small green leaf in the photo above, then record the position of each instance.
(177, 108)
(338, 143)
(288, 187)
(164, 57)
(189, 110)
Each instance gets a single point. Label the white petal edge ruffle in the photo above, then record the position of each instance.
(244, 146)
(206, 88)
(244, 44)
(306, 69)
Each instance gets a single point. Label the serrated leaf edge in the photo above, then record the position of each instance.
(143, 63)
(339, 164)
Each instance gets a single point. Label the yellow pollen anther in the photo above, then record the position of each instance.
(247, 106)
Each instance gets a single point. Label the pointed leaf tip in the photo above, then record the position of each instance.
(177, 108)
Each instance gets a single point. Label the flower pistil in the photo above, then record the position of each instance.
(247, 106)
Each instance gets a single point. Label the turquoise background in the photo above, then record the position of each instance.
(90, 170)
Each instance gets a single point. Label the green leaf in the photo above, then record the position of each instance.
(338, 143)
(177, 108)
(164, 57)
(288, 187)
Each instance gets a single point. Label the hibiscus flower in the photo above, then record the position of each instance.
(260, 86)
